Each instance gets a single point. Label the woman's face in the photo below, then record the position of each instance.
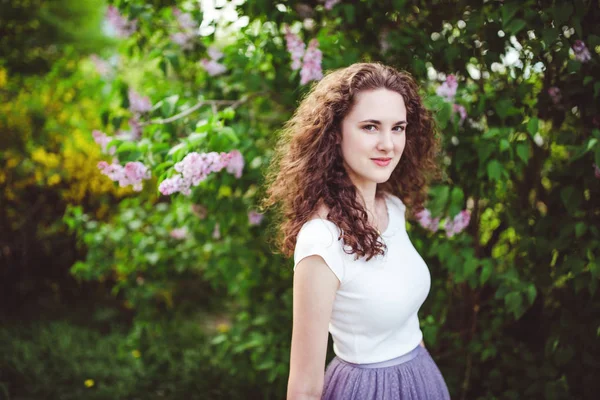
(374, 128)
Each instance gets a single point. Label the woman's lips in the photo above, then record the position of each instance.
(381, 162)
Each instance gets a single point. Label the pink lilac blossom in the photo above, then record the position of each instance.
(461, 110)
(295, 47)
(329, 4)
(179, 233)
(216, 232)
(458, 224)
(182, 39)
(447, 89)
(199, 210)
(255, 218)
(425, 220)
(134, 133)
(185, 20)
(172, 185)
(102, 66)
(214, 53)
(195, 168)
(554, 94)
(596, 171)
(384, 43)
(131, 174)
(122, 26)
(103, 140)
(136, 128)
(582, 53)
(189, 29)
(235, 165)
(213, 67)
(138, 104)
(311, 64)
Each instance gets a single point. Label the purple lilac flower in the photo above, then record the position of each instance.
(255, 218)
(185, 20)
(103, 140)
(329, 4)
(235, 165)
(214, 53)
(179, 233)
(199, 210)
(458, 224)
(136, 128)
(295, 47)
(173, 185)
(213, 67)
(311, 67)
(216, 232)
(182, 39)
(188, 29)
(582, 53)
(461, 110)
(554, 94)
(131, 174)
(138, 104)
(122, 26)
(447, 89)
(425, 220)
(596, 171)
(102, 66)
(195, 168)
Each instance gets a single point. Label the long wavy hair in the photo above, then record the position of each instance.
(306, 168)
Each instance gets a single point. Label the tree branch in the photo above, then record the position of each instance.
(212, 103)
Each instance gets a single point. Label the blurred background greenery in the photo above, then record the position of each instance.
(111, 293)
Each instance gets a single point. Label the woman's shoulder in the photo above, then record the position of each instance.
(318, 224)
(396, 200)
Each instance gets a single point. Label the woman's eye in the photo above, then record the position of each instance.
(401, 128)
(367, 127)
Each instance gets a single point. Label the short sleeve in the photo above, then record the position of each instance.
(399, 203)
(320, 237)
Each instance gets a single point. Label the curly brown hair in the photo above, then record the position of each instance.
(307, 167)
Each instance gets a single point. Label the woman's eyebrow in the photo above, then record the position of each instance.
(374, 121)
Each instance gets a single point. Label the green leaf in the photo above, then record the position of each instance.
(508, 11)
(562, 11)
(494, 170)
(531, 293)
(549, 36)
(580, 229)
(533, 126)
(523, 151)
(515, 26)
(514, 303)
(127, 146)
(570, 197)
(486, 271)
(349, 11)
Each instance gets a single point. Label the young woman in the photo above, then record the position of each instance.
(358, 151)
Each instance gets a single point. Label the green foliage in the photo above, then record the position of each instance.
(59, 360)
(35, 33)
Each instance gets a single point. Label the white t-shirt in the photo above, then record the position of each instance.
(374, 316)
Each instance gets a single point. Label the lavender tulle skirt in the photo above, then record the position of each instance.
(413, 376)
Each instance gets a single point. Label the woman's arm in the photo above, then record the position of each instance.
(314, 290)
